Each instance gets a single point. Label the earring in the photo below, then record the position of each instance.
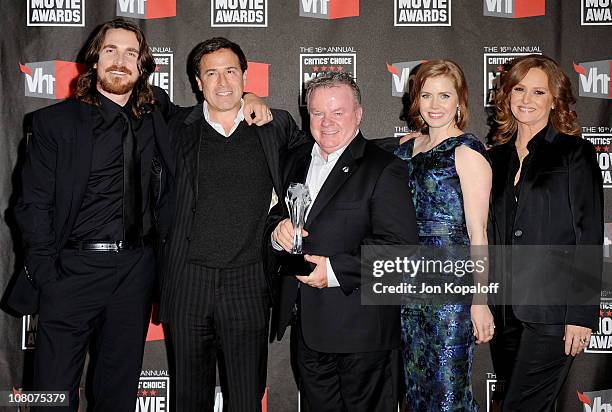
(458, 113)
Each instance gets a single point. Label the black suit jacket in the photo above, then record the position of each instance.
(560, 203)
(185, 128)
(54, 180)
(365, 200)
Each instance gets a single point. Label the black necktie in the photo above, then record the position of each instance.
(132, 194)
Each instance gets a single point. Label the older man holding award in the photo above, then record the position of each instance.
(359, 196)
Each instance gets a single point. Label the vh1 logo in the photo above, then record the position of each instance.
(53, 79)
(594, 79)
(329, 9)
(257, 79)
(596, 401)
(400, 73)
(514, 9)
(146, 9)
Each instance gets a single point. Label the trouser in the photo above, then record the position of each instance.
(108, 293)
(223, 316)
(345, 382)
(531, 359)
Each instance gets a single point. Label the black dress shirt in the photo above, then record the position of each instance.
(100, 216)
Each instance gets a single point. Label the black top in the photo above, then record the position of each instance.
(234, 193)
(100, 216)
(512, 191)
(559, 202)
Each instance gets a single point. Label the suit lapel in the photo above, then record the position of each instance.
(82, 153)
(269, 143)
(190, 143)
(344, 168)
(296, 171)
(83, 130)
(498, 197)
(300, 171)
(162, 139)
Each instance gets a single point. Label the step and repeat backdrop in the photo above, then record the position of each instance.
(288, 42)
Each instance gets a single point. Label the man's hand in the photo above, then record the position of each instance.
(283, 234)
(576, 339)
(409, 136)
(254, 104)
(318, 277)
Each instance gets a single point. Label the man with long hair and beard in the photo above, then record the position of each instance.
(95, 168)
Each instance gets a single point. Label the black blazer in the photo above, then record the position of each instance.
(560, 203)
(54, 180)
(365, 200)
(185, 128)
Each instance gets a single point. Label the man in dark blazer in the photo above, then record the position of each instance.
(86, 216)
(361, 197)
(215, 291)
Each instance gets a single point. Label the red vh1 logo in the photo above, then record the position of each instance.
(155, 332)
(146, 9)
(329, 9)
(514, 9)
(53, 79)
(596, 401)
(595, 79)
(257, 80)
(400, 73)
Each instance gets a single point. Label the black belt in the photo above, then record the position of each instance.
(103, 246)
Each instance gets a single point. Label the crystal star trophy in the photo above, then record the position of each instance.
(298, 202)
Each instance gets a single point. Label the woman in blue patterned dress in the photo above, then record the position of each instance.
(450, 180)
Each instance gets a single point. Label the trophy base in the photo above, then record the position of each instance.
(296, 265)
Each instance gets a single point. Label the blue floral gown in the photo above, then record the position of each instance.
(438, 340)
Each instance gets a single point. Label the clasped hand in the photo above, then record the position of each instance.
(283, 236)
(255, 106)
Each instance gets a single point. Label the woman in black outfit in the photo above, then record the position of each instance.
(547, 190)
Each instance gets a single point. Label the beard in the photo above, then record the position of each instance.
(114, 84)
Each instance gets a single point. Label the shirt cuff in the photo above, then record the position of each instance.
(275, 245)
(332, 280)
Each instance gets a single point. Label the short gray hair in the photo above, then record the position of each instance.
(331, 80)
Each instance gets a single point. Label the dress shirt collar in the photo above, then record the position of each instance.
(110, 109)
(318, 158)
(535, 140)
(217, 126)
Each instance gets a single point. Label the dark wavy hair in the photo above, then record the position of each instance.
(86, 89)
(435, 68)
(562, 117)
